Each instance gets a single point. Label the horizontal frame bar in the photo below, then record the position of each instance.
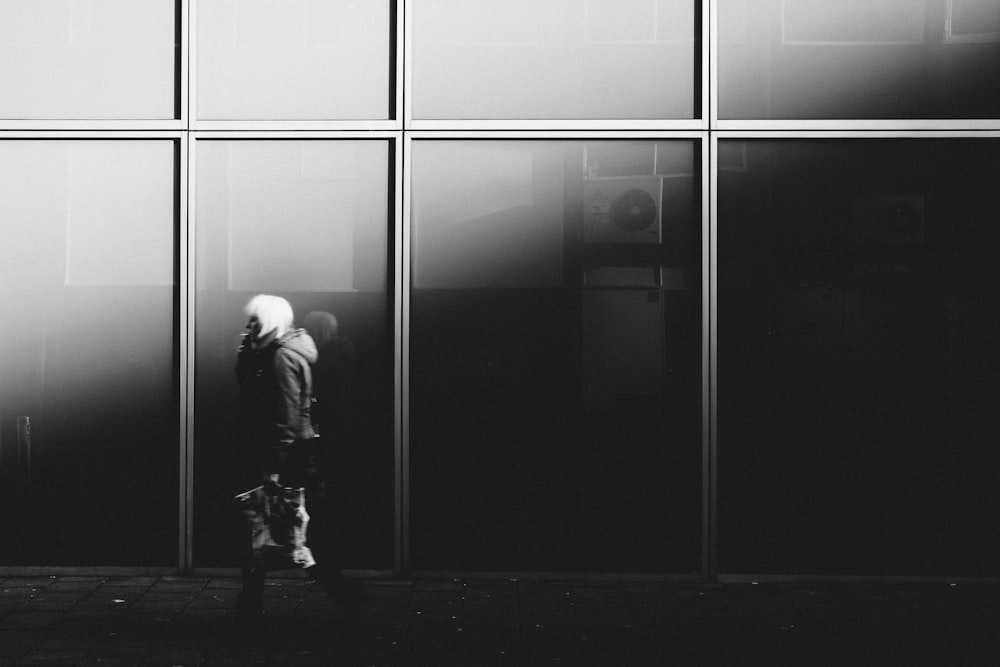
(557, 134)
(311, 134)
(295, 125)
(856, 134)
(93, 134)
(874, 125)
(548, 124)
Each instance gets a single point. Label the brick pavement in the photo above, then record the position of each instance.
(95, 620)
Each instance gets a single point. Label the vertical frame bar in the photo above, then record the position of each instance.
(192, 76)
(711, 66)
(183, 74)
(707, 80)
(710, 572)
(403, 258)
(187, 310)
(406, 20)
(397, 80)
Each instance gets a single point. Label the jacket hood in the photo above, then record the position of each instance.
(301, 342)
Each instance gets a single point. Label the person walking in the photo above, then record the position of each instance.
(274, 374)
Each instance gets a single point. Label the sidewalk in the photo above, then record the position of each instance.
(94, 620)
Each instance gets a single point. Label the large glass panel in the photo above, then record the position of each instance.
(555, 355)
(89, 369)
(597, 59)
(859, 379)
(293, 60)
(307, 220)
(89, 59)
(866, 59)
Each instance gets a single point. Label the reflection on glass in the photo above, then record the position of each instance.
(858, 379)
(307, 220)
(554, 358)
(293, 60)
(602, 59)
(88, 60)
(863, 59)
(972, 21)
(88, 373)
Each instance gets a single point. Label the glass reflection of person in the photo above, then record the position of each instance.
(274, 373)
(334, 411)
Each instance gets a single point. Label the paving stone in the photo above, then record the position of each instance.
(120, 647)
(531, 622)
(49, 600)
(17, 641)
(438, 585)
(163, 602)
(178, 586)
(215, 599)
(28, 582)
(113, 596)
(51, 657)
(74, 584)
(27, 620)
(131, 581)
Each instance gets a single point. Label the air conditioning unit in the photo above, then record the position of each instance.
(622, 210)
(889, 220)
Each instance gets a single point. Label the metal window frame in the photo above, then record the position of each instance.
(184, 324)
(394, 122)
(699, 122)
(251, 133)
(402, 129)
(909, 125)
(713, 575)
(701, 138)
(126, 125)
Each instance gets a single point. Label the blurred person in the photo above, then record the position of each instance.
(274, 373)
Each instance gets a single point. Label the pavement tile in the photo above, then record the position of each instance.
(17, 641)
(84, 630)
(51, 657)
(501, 622)
(166, 602)
(61, 600)
(119, 645)
(75, 584)
(178, 586)
(112, 596)
(177, 653)
(204, 615)
(490, 589)
(131, 581)
(438, 585)
(28, 582)
(69, 643)
(215, 599)
(27, 620)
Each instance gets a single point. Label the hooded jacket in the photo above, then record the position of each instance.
(275, 381)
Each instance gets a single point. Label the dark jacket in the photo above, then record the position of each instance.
(275, 381)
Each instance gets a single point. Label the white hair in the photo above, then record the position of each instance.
(273, 312)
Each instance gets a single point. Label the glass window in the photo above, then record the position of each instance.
(89, 59)
(555, 355)
(600, 59)
(858, 369)
(89, 371)
(864, 59)
(307, 220)
(293, 60)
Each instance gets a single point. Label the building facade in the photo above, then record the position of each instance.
(694, 289)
